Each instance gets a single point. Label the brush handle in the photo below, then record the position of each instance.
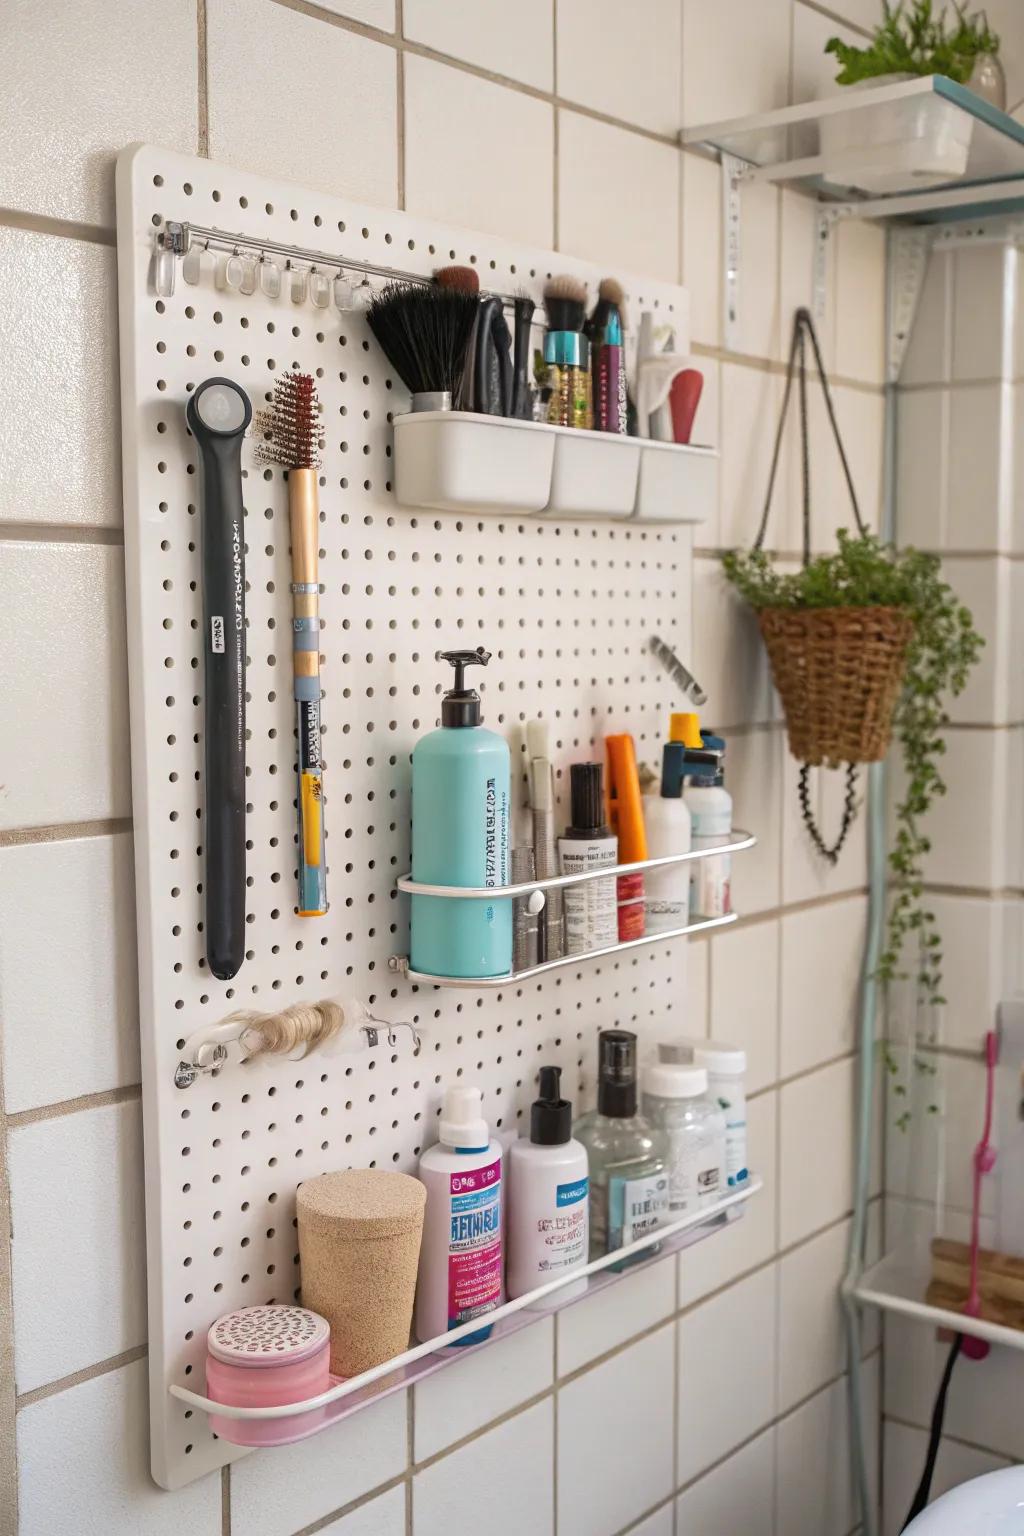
(521, 404)
(224, 627)
(304, 516)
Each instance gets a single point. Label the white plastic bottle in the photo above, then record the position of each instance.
(675, 1100)
(668, 822)
(710, 806)
(460, 1271)
(726, 1066)
(548, 1197)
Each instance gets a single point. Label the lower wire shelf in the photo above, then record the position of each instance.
(400, 963)
(346, 1397)
(899, 1284)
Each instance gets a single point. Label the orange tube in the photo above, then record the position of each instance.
(626, 817)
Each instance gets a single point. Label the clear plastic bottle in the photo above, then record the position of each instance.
(675, 1102)
(628, 1167)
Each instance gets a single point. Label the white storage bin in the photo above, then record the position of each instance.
(924, 138)
(459, 461)
(595, 474)
(678, 483)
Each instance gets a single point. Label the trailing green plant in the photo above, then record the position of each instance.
(916, 39)
(863, 573)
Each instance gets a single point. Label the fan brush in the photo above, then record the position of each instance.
(423, 332)
(291, 427)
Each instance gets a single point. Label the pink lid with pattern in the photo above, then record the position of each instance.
(273, 1335)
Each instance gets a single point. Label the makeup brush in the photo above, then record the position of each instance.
(423, 331)
(458, 279)
(292, 439)
(522, 394)
(464, 280)
(565, 303)
(607, 357)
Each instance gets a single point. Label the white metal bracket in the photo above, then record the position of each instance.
(734, 171)
(909, 246)
(824, 225)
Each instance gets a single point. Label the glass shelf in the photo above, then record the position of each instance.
(345, 1397)
(916, 140)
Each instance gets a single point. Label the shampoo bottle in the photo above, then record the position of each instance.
(710, 805)
(460, 836)
(629, 1183)
(548, 1197)
(667, 817)
(460, 1270)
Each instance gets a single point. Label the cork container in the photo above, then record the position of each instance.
(359, 1245)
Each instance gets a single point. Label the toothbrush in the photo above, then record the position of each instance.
(291, 427)
(218, 413)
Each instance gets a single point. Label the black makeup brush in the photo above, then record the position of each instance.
(565, 303)
(424, 332)
(522, 394)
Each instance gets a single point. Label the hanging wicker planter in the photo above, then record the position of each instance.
(838, 672)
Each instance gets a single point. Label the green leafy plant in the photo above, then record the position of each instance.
(944, 646)
(917, 40)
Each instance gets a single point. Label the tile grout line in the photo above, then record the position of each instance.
(87, 1373)
(400, 102)
(556, 115)
(67, 831)
(202, 87)
(85, 1101)
(410, 1454)
(971, 1445)
(8, 1387)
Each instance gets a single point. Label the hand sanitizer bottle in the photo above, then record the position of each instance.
(548, 1197)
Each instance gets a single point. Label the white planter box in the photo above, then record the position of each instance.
(925, 138)
(459, 461)
(678, 483)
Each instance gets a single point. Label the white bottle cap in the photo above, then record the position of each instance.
(462, 1124)
(728, 1060)
(670, 1080)
(677, 1051)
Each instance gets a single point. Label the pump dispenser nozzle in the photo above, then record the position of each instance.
(461, 705)
(550, 1114)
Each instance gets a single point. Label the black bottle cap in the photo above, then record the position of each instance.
(616, 1066)
(586, 795)
(550, 1114)
(461, 705)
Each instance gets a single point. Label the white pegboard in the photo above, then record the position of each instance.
(566, 609)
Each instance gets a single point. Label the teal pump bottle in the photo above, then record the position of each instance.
(460, 836)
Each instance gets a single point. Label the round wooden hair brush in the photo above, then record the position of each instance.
(291, 428)
(424, 331)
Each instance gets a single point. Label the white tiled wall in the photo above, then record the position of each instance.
(668, 1404)
(958, 493)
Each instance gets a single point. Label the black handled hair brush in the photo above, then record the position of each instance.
(424, 333)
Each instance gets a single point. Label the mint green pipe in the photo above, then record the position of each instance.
(869, 1004)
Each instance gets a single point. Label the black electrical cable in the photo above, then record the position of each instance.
(924, 1487)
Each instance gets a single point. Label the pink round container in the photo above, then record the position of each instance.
(262, 1357)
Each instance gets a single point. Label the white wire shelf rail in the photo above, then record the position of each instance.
(347, 1396)
(738, 842)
